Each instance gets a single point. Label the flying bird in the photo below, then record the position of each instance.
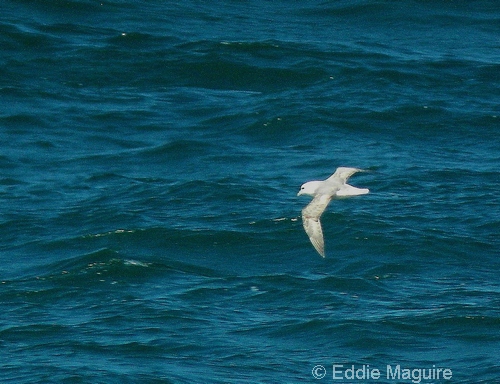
(324, 191)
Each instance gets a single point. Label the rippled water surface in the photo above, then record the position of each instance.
(151, 157)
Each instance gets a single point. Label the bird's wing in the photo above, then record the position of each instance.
(310, 219)
(343, 173)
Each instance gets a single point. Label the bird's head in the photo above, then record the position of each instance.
(309, 188)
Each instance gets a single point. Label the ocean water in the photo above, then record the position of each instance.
(151, 153)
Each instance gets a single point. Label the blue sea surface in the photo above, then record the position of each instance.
(151, 155)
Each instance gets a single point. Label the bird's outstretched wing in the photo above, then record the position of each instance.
(310, 220)
(343, 173)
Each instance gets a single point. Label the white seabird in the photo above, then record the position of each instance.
(324, 191)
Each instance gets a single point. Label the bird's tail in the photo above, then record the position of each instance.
(349, 190)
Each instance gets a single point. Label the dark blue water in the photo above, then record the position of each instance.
(151, 153)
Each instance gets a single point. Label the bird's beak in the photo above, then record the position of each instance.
(300, 193)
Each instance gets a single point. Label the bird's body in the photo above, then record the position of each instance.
(324, 191)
